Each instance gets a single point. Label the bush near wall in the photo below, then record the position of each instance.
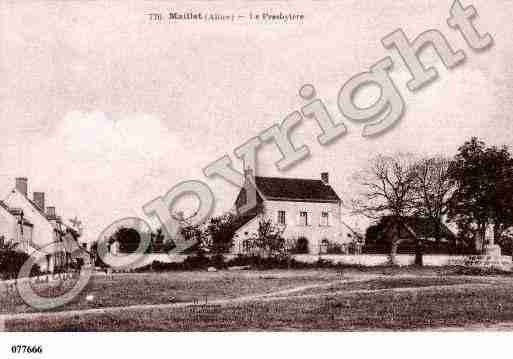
(197, 261)
(301, 246)
(11, 262)
(202, 262)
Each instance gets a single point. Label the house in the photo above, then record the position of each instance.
(308, 210)
(33, 226)
(15, 226)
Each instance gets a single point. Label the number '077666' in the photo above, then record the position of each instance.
(27, 349)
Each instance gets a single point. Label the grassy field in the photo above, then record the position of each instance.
(280, 300)
(172, 287)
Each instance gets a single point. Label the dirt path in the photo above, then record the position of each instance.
(342, 293)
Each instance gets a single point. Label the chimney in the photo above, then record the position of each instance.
(50, 212)
(22, 185)
(325, 177)
(39, 199)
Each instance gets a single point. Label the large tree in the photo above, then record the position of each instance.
(433, 190)
(484, 196)
(128, 239)
(388, 189)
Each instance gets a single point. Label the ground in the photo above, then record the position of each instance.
(324, 299)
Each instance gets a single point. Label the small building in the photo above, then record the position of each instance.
(434, 239)
(308, 211)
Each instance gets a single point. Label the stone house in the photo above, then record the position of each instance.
(302, 208)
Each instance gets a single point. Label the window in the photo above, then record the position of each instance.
(303, 218)
(246, 245)
(281, 217)
(325, 218)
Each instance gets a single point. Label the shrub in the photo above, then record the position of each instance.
(220, 233)
(197, 261)
(324, 263)
(11, 262)
(268, 240)
(262, 263)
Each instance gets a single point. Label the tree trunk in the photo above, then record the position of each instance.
(418, 245)
(438, 232)
(393, 251)
(481, 237)
(394, 243)
(418, 254)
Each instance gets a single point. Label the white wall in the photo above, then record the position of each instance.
(10, 229)
(314, 232)
(8, 225)
(383, 259)
(368, 260)
(43, 232)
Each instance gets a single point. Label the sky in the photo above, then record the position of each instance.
(104, 109)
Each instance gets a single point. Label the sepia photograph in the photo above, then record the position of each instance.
(332, 170)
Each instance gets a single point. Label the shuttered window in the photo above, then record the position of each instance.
(282, 217)
(325, 219)
(303, 218)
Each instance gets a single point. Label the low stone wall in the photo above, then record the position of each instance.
(350, 259)
(360, 259)
(369, 260)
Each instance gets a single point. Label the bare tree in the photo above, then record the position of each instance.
(388, 190)
(434, 190)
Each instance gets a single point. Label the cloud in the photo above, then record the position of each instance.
(101, 167)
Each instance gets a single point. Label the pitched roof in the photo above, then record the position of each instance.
(423, 227)
(32, 203)
(296, 189)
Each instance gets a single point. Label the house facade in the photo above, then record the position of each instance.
(33, 226)
(15, 227)
(306, 209)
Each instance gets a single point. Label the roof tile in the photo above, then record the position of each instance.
(296, 189)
